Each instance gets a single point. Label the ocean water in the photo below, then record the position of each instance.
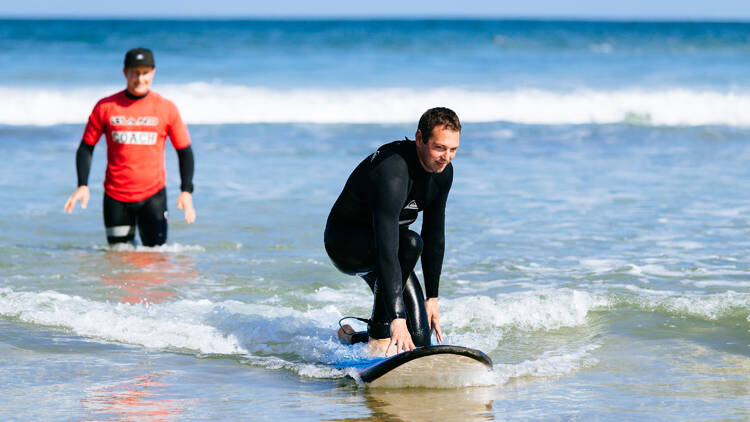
(597, 232)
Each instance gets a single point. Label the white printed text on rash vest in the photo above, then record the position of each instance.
(134, 121)
(134, 137)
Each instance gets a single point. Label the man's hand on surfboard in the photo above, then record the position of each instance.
(433, 317)
(400, 338)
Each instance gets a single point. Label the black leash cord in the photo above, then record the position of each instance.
(365, 320)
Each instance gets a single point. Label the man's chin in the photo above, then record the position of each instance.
(439, 169)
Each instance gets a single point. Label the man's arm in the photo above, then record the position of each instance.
(180, 138)
(187, 167)
(433, 236)
(83, 162)
(83, 167)
(389, 181)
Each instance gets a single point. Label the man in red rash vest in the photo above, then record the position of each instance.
(136, 123)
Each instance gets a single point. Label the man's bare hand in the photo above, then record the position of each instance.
(185, 201)
(400, 337)
(81, 194)
(433, 317)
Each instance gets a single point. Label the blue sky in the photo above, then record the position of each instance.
(623, 9)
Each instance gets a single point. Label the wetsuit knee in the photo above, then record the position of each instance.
(120, 234)
(416, 314)
(152, 219)
(119, 222)
(409, 250)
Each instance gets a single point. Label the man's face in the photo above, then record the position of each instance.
(139, 79)
(439, 149)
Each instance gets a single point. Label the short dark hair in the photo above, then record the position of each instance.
(436, 117)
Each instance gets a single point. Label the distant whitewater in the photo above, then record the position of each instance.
(216, 104)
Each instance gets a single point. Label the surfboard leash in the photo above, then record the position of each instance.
(365, 320)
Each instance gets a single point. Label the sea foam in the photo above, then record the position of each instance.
(174, 326)
(532, 310)
(201, 103)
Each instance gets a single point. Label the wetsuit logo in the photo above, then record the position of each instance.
(134, 138)
(134, 121)
(412, 205)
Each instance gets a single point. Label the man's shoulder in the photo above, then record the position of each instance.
(111, 99)
(162, 102)
(395, 153)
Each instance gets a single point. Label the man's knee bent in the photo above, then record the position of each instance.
(410, 245)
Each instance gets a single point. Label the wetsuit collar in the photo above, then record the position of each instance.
(419, 168)
(135, 97)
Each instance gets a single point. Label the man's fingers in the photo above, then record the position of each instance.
(392, 343)
(438, 332)
(71, 204)
(410, 346)
(190, 215)
(84, 201)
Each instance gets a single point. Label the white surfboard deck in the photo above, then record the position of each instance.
(441, 366)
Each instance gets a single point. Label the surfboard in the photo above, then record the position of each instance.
(431, 366)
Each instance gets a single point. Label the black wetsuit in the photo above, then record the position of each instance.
(367, 234)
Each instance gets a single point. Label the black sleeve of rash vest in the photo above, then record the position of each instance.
(389, 181)
(433, 236)
(83, 162)
(187, 167)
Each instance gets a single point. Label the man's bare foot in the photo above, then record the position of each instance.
(345, 334)
(377, 346)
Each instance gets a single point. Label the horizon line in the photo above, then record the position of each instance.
(384, 17)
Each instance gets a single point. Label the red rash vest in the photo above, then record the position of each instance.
(136, 131)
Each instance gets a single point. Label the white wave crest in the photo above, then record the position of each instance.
(256, 332)
(216, 104)
(710, 307)
(162, 327)
(535, 310)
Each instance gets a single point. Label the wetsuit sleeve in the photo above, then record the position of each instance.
(187, 166)
(83, 162)
(433, 236)
(389, 184)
